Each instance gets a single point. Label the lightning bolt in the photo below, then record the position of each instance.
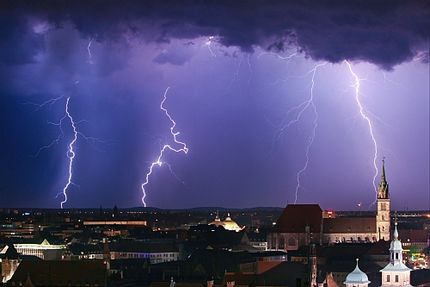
(90, 56)
(301, 109)
(309, 103)
(363, 114)
(208, 44)
(158, 162)
(71, 146)
(284, 58)
(49, 102)
(70, 153)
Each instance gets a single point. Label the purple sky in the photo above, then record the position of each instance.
(233, 79)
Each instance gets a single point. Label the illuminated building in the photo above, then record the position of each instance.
(302, 224)
(228, 223)
(44, 250)
(115, 223)
(9, 262)
(154, 252)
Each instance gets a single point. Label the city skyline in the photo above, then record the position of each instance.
(271, 110)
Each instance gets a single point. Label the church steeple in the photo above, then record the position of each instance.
(383, 207)
(383, 185)
(396, 273)
(396, 255)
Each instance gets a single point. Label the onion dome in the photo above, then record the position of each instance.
(357, 277)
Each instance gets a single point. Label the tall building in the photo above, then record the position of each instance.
(383, 208)
(302, 224)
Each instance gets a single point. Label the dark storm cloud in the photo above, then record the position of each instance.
(18, 44)
(174, 57)
(385, 33)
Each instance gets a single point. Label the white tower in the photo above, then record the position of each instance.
(396, 273)
(383, 208)
(357, 278)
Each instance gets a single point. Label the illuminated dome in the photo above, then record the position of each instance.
(357, 277)
(228, 223)
(217, 221)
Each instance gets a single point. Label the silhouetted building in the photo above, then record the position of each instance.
(60, 273)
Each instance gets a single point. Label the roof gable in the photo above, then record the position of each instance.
(296, 217)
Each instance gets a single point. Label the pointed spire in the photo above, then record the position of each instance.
(383, 179)
(356, 266)
(217, 216)
(228, 218)
(396, 233)
(383, 185)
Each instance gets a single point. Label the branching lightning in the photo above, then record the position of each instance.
(70, 153)
(363, 114)
(158, 162)
(301, 108)
(49, 102)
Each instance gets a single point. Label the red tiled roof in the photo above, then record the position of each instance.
(350, 225)
(296, 217)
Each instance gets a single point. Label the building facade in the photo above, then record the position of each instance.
(302, 224)
(44, 250)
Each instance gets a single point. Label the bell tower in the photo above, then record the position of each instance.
(383, 208)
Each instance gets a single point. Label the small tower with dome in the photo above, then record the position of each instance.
(396, 273)
(357, 278)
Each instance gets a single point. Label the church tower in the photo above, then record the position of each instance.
(396, 273)
(383, 208)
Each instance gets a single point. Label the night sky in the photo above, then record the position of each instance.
(236, 71)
